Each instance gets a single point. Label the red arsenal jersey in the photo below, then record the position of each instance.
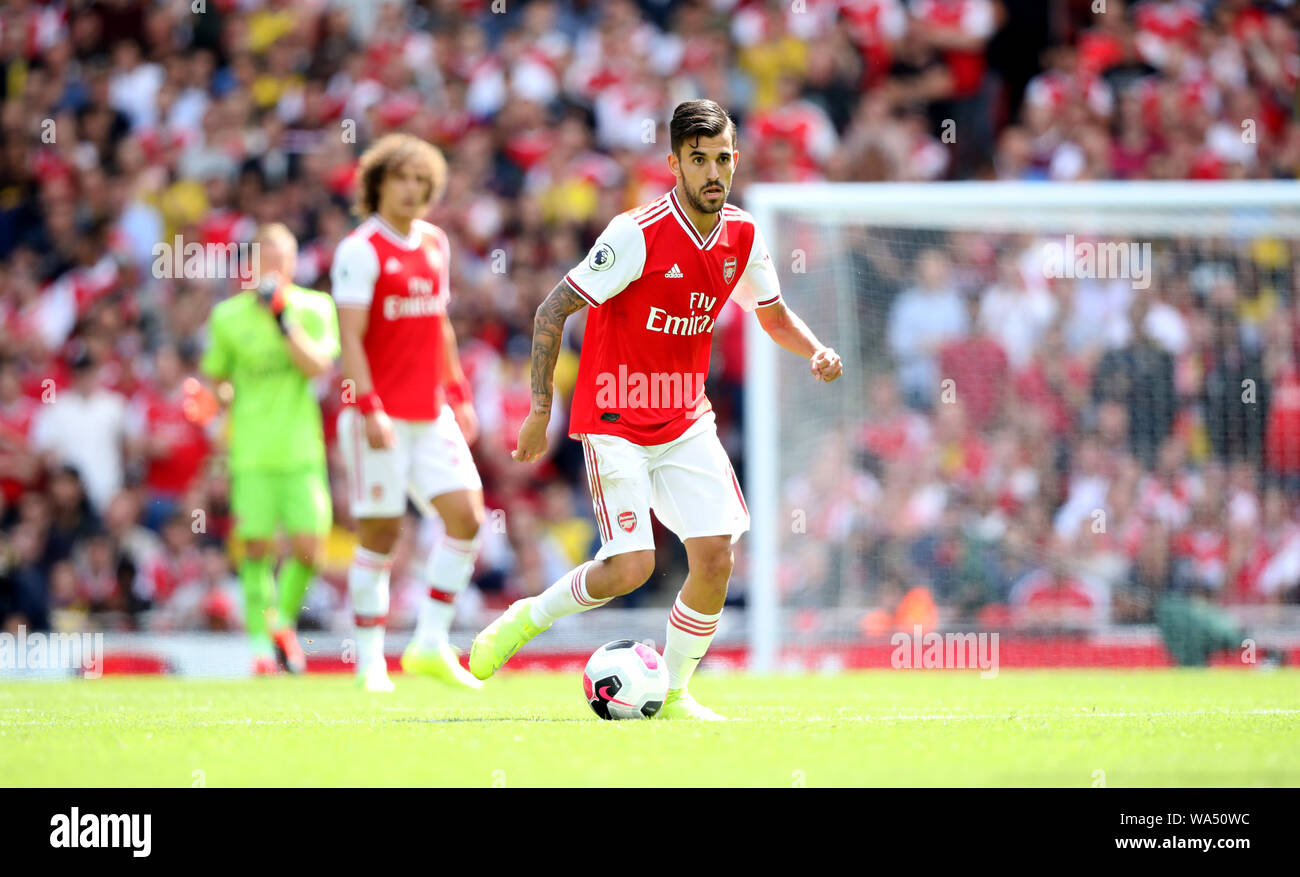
(656, 286)
(974, 19)
(16, 422)
(162, 415)
(404, 283)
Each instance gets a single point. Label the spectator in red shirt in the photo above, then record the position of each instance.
(891, 430)
(173, 446)
(1055, 597)
(1269, 569)
(960, 31)
(802, 125)
(179, 563)
(1055, 384)
(19, 465)
(100, 585)
(1282, 436)
(1201, 549)
(978, 367)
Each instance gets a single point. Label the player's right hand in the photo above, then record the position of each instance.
(532, 439)
(270, 293)
(379, 430)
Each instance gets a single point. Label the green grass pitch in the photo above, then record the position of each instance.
(1061, 728)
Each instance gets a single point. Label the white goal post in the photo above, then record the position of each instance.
(1164, 210)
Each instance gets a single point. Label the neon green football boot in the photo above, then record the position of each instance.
(498, 642)
(680, 705)
(442, 663)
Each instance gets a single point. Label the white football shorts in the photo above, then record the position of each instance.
(688, 482)
(429, 458)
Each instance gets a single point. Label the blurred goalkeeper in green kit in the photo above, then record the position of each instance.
(268, 344)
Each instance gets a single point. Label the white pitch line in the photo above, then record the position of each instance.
(1081, 714)
(902, 717)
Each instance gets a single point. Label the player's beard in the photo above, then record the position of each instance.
(702, 206)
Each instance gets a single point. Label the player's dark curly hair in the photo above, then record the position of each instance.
(699, 118)
(388, 152)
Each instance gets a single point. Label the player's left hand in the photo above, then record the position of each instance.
(467, 420)
(825, 365)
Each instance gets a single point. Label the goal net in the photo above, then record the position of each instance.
(1068, 416)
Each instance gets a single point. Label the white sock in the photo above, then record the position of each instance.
(688, 638)
(566, 597)
(447, 573)
(368, 588)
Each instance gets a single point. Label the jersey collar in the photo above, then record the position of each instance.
(410, 242)
(691, 231)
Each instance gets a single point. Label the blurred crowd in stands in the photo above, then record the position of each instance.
(124, 124)
(1064, 453)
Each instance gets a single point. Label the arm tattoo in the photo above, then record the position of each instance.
(548, 334)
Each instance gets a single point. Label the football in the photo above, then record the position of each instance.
(625, 680)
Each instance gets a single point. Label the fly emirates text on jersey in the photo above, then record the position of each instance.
(694, 324)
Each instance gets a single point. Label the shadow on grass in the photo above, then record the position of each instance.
(486, 719)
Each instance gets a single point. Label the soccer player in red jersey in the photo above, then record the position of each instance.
(655, 281)
(410, 421)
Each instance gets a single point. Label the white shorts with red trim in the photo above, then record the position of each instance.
(429, 458)
(688, 482)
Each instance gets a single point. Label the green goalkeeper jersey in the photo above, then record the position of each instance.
(275, 418)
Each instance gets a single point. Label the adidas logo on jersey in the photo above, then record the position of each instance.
(674, 271)
(393, 265)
